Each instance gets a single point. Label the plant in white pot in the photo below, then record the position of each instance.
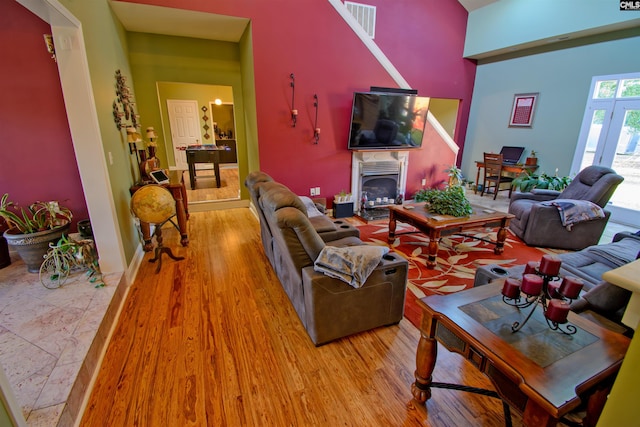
(32, 229)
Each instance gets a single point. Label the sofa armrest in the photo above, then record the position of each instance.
(606, 299)
(535, 194)
(334, 309)
(626, 234)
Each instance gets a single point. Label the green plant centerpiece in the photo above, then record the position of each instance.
(527, 182)
(32, 229)
(450, 201)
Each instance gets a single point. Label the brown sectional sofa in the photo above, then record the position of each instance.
(327, 307)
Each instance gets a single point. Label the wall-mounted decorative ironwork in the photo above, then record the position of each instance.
(205, 118)
(316, 129)
(294, 112)
(124, 114)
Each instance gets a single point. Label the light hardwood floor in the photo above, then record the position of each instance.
(206, 190)
(214, 341)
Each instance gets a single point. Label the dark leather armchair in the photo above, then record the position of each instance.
(539, 224)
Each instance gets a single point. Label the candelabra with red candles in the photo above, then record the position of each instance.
(541, 285)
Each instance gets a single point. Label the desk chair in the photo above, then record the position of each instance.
(154, 204)
(493, 177)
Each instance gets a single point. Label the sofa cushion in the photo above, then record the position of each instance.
(280, 196)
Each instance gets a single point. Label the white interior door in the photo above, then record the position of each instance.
(185, 130)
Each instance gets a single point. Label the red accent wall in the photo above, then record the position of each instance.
(37, 161)
(423, 38)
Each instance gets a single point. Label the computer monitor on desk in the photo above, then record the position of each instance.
(511, 155)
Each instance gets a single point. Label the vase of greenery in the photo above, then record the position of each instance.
(32, 229)
(450, 201)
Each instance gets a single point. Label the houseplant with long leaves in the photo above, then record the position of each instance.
(31, 229)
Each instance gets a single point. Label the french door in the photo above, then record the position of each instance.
(610, 136)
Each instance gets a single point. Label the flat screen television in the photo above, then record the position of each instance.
(387, 121)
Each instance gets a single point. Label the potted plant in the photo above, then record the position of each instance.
(5, 257)
(455, 176)
(527, 182)
(342, 197)
(450, 201)
(532, 159)
(32, 229)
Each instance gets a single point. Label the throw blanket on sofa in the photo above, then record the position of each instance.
(575, 211)
(352, 264)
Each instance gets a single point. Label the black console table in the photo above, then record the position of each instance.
(214, 154)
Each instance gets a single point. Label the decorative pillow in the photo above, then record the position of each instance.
(574, 211)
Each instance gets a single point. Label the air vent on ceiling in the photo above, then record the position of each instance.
(365, 15)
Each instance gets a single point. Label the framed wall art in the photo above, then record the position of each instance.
(524, 105)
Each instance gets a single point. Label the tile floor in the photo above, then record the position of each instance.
(48, 336)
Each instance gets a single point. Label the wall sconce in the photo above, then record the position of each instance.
(316, 129)
(48, 41)
(294, 112)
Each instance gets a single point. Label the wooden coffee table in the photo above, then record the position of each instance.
(435, 226)
(541, 373)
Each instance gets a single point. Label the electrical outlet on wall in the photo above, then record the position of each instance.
(317, 191)
(312, 191)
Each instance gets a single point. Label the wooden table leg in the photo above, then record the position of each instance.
(216, 171)
(535, 416)
(146, 236)
(425, 363)
(392, 227)
(477, 181)
(434, 240)
(192, 175)
(501, 237)
(181, 213)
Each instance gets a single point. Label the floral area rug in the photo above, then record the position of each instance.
(457, 260)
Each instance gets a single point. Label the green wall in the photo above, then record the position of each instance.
(562, 78)
(106, 49)
(203, 94)
(193, 64)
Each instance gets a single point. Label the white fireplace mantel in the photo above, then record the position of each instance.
(359, 158)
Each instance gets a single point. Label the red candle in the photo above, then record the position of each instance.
(531, 284)
(511, 288)
(571, 287)
(557, 311)
(531, 267)
(553, 289)
(550, 265)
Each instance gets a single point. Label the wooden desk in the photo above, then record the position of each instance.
(214, 154)
(542, 373)
(435, 226)
(517, 169)
(179, 193)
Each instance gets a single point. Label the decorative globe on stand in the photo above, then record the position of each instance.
(154, 204)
